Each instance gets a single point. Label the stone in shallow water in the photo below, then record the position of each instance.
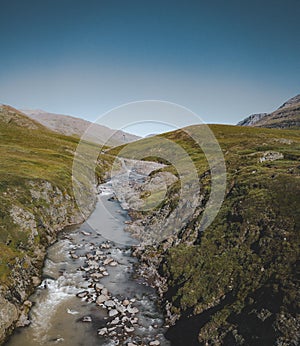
(132, 310)
(102, 331)
(97, 276)
(113, 312)
(108, 261)
(109, 303)
(104, 291)
(113, 264)
(121, 309)
(101, 299)
(134, 320)
(86, 233)
(82, 294)
(87, 319)
(98, 287)
(128, 329)
(126, 302)
(115, 321)
(154, 343)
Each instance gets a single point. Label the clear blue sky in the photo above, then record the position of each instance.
(222, 59)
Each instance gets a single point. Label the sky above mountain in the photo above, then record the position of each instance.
(221, 59)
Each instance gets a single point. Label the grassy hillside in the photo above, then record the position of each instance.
(30, 154)
(237, 283)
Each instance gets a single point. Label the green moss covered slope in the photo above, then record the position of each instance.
(236, 283)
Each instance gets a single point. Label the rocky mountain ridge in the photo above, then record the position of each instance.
(70, 126)
(286, 116)
(252, 119)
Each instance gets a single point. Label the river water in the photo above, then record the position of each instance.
(58, 316)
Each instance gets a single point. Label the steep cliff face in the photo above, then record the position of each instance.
(236, 282)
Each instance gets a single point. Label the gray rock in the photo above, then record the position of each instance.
(96, 276)
(109, 303)
(113, 264)
(132, 310)
(101, 299)
(126, 302)
(102, 331)
(115, 321)
(99, 287)
(113, 313)
(121, 309)
(82, 294)
(108, 261)
(129, 329)
(87, 319)
(252, 119)
(8, 315)
(271, 156)
(154, 343)
(104, 291)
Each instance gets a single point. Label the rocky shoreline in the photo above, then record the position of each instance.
(15, 307)
(51, 211)
(145, 226)
(268, 313)
(122, 319)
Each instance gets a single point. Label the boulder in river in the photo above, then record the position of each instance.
(113, 312)
(101, 299)
(154, 343)
(82, 294)
(109, 303)
(87, 319)
(102, 331)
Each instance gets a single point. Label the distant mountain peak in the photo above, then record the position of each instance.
(286, 116)
(252, 119)
(294, 100)
(12, 116)
(70, 125)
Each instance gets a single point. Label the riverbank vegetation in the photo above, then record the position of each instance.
(236, 283)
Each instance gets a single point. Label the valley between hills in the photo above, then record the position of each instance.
(235, 283)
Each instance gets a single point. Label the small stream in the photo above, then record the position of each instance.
(89, 294)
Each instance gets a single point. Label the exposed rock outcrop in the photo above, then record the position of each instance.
(286, 116)
(251, 119)
(51, 210)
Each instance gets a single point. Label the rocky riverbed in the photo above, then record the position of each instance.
(91, 292)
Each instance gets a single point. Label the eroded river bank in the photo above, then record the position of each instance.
(90, 294)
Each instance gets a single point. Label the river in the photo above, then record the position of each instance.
(92, 260)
